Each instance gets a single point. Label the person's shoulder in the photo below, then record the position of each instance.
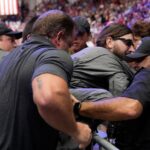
(89, 51)
(99, 51)
(96, 49)
(59, 52)
(143, 74)
(54, 53)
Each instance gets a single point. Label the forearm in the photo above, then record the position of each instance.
(62, 118)
(113, 109)
(59, 115)
(52, 98)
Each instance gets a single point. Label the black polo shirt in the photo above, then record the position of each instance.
(21, 126)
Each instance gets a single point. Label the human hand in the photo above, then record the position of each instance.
(84, 135)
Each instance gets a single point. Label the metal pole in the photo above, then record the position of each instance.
(103, 143)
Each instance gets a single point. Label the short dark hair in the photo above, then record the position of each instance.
(51, 22)
(28, 27)
(82, 25)
(113, 30)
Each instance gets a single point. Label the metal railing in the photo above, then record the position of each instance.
(103, 143)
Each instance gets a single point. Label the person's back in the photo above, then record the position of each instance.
(99, 67)
(94, 67)
(22, 119)
(27, 103)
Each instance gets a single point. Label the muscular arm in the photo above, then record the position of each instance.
(114, 109)
(51, 95)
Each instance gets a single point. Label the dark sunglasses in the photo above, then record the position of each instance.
(127, 42)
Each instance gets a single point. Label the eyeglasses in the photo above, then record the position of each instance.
(127, 42)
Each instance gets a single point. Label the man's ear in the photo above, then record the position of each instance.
(60, 35)
(109, 42)
(57, 38)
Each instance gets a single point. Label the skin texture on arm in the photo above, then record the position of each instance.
(52, 97)
(115, 109)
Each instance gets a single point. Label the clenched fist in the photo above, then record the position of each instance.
(83, 136)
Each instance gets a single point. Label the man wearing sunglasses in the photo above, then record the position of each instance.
(101, 71)
(127, 42)
(132, 108)
(103, 66)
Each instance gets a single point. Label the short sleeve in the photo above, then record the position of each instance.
(56, 62)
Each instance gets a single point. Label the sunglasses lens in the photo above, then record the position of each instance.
(128, 42)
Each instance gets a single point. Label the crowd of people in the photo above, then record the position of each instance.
(98, 12)
(54, 85)
(102, 12)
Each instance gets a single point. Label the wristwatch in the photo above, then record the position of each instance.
(76, 108)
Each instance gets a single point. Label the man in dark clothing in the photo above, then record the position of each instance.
(35, 102)
(132, 108)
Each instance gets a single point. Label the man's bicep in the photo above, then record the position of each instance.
(46, 86)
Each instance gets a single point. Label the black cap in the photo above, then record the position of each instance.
(82, 24)
(4, 30)
(142, 51)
